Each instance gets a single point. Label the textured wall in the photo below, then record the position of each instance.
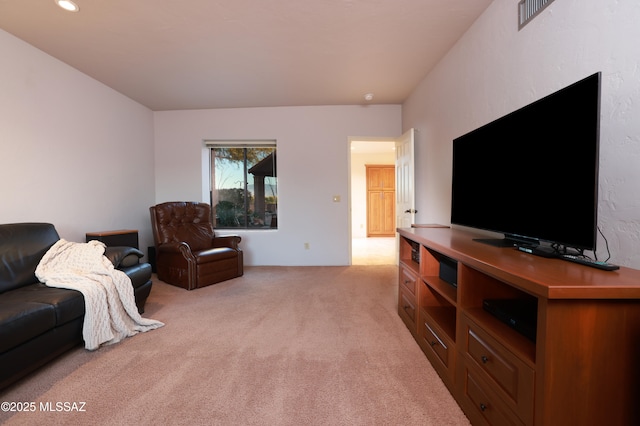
(495, 69)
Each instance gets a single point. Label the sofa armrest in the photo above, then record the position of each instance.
(122, 256)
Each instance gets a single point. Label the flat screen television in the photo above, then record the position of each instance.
(532, 175)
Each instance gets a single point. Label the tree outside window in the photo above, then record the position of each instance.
(244, 186)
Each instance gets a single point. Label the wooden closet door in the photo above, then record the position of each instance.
(381, 200)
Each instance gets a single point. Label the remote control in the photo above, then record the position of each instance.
(589, 262)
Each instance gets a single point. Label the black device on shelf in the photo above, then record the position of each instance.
(532, 175)
(415, 251)
(448, 270)
(519, 314)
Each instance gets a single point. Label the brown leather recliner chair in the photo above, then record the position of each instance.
(188, 252)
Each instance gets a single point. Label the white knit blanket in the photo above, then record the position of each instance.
(110, 310)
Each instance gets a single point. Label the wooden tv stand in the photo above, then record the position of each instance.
(583, 367)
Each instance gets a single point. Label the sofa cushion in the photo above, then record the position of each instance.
(23, 245)
(21, 322)
(206, 256)
(67, 304)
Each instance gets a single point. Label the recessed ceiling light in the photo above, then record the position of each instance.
(67, 5)
(368, 97)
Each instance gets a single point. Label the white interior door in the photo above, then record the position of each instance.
(405, 188)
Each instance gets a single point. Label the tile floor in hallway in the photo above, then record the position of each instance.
(373, 251)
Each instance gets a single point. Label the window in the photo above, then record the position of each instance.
(244, 185)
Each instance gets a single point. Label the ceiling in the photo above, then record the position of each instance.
(172, 55)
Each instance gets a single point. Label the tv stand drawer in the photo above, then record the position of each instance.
(407, 310)
(482, 405)
(513, 380)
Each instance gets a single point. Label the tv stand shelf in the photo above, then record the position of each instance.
(582, 367)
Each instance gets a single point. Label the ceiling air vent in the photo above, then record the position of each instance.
(529, 9)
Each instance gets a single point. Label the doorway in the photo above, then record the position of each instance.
(368, 250)
(397, 151)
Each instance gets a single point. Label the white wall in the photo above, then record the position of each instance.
(72, 151)
(495, 69)
(313, 164)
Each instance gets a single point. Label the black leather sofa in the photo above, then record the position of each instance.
(38, 323)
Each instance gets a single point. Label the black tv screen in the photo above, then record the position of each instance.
(532, 175)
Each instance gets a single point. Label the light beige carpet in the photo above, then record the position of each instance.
(279, 346)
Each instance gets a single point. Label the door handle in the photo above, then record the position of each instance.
(411, 211)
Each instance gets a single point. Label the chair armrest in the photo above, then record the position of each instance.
(231, 241)
(122, 256)
(170, 247)
(176, 248)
